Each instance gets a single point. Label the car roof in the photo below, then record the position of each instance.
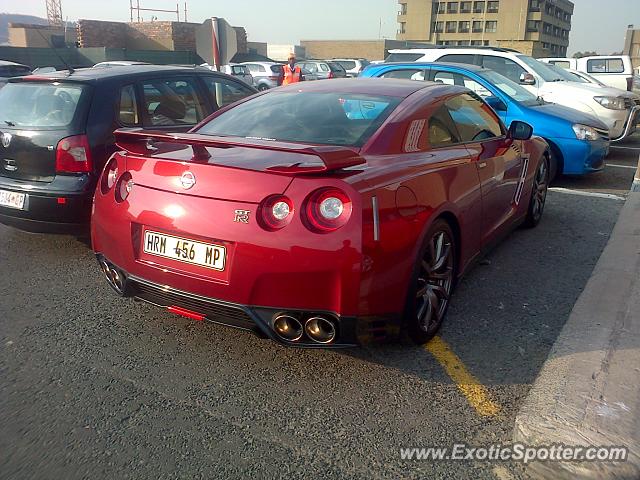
(498, 52)
(96, 75)
(6, 63)
(465, 66)
(372, 86)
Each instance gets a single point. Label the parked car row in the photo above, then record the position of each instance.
(613, 106)
(320, 214)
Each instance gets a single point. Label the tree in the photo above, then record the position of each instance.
(584, 54)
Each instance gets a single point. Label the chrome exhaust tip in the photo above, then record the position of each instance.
(320, 330)
(287, 327)
(117, 280)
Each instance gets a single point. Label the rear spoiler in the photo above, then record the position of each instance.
(145, 142)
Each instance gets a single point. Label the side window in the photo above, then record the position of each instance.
(172, 102)
(605, 65)
(473, 118)
(447, 78)
(442, 131)
(223, 92)
(128, 108)
(408, 74)
(324, 67)
(458, 58)
(503, 66)
(560, 63)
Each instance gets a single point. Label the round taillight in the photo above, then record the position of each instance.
(125, 185)
(327, 210)
(109, 176)
(275, 212)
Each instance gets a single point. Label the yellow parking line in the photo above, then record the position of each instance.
(471, 388)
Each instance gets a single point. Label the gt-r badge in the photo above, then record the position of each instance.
(188, 180)
(6, 140)
(241, 216)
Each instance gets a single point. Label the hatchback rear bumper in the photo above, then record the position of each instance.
(60, 206)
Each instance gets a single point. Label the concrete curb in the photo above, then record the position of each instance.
(588, 390)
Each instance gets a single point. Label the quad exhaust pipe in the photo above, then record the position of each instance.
(318, 329)
(114, 276)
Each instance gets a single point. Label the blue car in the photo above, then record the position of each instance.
(578, 141)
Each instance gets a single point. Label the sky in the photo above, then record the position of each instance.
(596, 25)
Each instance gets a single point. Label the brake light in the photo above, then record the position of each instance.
(109, 176)
(275, 212)
(330, 75)
(327, 209)
(629, 84)
(125, 185)
(73, 155)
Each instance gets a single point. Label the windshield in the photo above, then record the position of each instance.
(314, 118)
(35, 104)
(403, 57)
(509, 87)
(565, 75)
(541, 69)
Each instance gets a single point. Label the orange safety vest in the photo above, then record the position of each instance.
(291, 76)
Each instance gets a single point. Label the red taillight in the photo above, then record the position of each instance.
(327, 210)
(275, 212)
(629, 84)
(124, 187)
(73, 155)
(330, 75)
(109, 176)
(186, 313)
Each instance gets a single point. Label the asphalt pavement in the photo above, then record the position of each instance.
(93, 386)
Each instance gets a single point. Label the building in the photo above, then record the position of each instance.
(632, 47)
(534, 27)
(41, 36)
(280, 53)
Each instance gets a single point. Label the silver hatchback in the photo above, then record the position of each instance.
(266, 75)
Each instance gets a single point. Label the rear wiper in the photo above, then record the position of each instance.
(10, 123)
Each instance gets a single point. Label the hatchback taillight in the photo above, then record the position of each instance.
(275, 212)
(73, 155)
(327, 209)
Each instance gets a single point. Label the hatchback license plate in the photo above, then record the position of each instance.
(12, 199)
(184, 250)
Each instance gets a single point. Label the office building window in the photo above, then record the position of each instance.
(452, 7)
(463, 43)
(491, 27)
(477, 26)
(402, 28)
(476, 43)
(403, 9)
(463, 27)
(438, 27)
(563, 51)
(492, 7)
(478, 7)
(452, 27)
(465, 7)
(442, 7)
(547, 28)
(567, 17)
(534, 5)
(533, 26)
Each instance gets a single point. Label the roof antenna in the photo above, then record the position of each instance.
(69, 67)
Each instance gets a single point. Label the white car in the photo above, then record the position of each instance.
(613, 70)
(353, 66)
(608, 104)
(241, 72)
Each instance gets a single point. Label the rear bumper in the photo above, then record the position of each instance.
(581, 157)
(61, 206)
(255, 319)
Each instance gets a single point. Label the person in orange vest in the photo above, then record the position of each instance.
(290, 72)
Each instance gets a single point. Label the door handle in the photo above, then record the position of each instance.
(482, 164)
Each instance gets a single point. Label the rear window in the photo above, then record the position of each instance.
(403, 57)
(336, 67)
(35, 104)
(347, 64)
(276, 68)
(305, 117)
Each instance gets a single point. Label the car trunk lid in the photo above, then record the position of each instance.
(208, 166)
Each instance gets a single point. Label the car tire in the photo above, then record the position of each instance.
(538, 197)
(263, 87)
(431, 284)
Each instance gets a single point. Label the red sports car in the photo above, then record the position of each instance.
(319, 214)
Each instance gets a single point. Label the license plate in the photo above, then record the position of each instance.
(184, 250)
(12, 199)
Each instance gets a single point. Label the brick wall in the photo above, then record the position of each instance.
(96, 33)
(184, 36)
(369, 49)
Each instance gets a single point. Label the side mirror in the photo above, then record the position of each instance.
(495, 103)
(520, 130)
(527, 79)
